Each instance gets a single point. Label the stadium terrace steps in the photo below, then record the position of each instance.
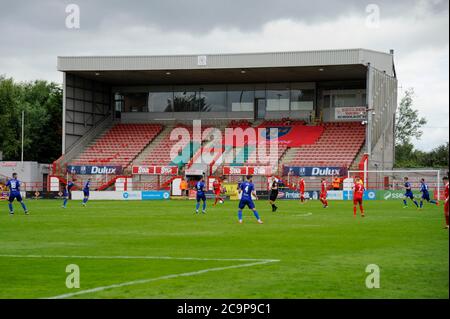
(339, 145)
(358, 158)
(158, 153)
(118, 146)
(247, 155)
(146, 154)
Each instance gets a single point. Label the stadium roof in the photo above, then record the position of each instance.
(220, 68)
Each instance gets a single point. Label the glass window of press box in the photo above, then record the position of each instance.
(217, 98)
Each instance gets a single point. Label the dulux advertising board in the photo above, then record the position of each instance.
(94, 170)
(314, 171)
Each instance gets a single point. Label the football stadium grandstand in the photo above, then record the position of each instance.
(332, 109)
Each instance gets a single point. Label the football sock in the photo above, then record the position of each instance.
(240, 214)
(405, 203)
(433, 202)
(10, 207)
(361, 208)
(256, 214)
(415, 203)
(421, 204)
(204, 206)
(197, 206)
(354, 210)
(65, 202)
(23, 206)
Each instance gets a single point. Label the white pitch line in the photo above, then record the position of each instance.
(302, 215)
(138, 257)
(144, 281)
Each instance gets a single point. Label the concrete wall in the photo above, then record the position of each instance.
(382, 99)
(86, 104)
(31, 174)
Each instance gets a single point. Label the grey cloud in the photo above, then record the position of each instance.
(194, 15)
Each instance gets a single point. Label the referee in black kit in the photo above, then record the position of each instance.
(273, 186)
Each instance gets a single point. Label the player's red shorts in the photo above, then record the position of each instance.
(357, 200)
(217, 192)
(446, 208)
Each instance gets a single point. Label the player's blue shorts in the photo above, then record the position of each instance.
(86, 192)
(246, 202)
(409, 195)
(15, 195)
(426, 196)
(201, 197)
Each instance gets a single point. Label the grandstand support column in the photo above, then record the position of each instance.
(64, 115)
(369, 111)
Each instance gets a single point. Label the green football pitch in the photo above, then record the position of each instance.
(159, 249)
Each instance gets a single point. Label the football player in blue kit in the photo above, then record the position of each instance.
(86, 192)
(201, 196)
(408, 194)
(425, 194)
(14, 193)
(66, 193)
(247, 189)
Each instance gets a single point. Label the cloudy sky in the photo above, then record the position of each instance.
(34, 33)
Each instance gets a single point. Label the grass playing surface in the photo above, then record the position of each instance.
(302, 251)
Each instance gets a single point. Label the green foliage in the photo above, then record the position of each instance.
(42, 103)
(408, 157)
(407, 121)
(408, 125)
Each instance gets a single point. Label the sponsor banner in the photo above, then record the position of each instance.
(108, 195)
(314, 171)
(368, 195)
(231, 190)
(155, 170)
(155, 195)
(247, 170)
(8, 164)
(94, 170)
(195, 172)
(350, 113)
(290, 135)
(44, 195)
(289, 194)
(331, 195)
(335, 195)
(398, 194)
(5, 195)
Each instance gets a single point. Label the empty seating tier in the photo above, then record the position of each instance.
(338, 146)
(119, 146)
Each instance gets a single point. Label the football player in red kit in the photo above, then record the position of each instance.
(301, 186)
(358, 193)
(323, 193)
(217, 187)
(446, 201)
